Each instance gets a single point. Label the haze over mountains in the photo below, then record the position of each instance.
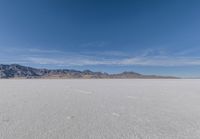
(18, 71)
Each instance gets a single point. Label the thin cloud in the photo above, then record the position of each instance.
(139, 61)
(149, 57)
(43, 51)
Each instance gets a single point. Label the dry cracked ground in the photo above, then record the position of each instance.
(100, 109)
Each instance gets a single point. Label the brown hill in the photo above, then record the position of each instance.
(18, 71)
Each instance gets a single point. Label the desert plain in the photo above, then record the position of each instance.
(100, 109)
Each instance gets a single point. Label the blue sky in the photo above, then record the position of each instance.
(150, 37)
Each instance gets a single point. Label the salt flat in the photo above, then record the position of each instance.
(100, 109)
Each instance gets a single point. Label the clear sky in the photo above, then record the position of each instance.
(146, 36)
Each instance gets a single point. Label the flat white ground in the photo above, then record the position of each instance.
(100, 109)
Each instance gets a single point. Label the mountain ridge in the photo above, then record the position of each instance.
(19, 71)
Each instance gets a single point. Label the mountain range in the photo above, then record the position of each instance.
(19, 71)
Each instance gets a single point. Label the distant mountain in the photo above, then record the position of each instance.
(18, 71)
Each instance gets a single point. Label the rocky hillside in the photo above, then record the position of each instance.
(18, 71)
